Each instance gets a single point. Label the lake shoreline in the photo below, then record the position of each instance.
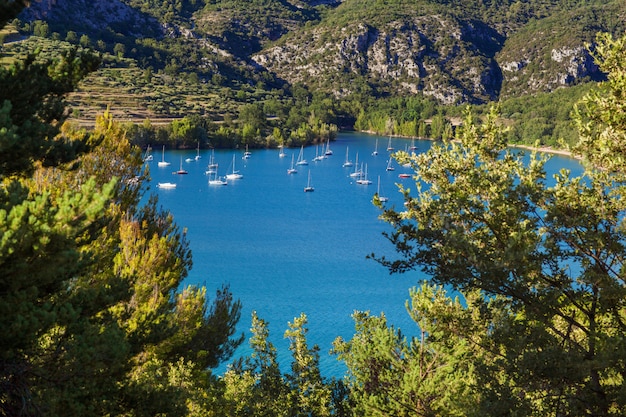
(543, 149)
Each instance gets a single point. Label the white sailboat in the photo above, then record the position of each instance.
(181, 171)
(309, 188)
(282, 153)
(247, 154)
(375, 149)
(234, 175)
(163, 162)
(166, 185)
(301, 160)
(292, 169)
(212, 167)
(389, 166)
(348, 162)
(363, 180)
(357, 172)
(215, 180)
(389, 147)
(328, 150)
(318, 157)
(380, 197)
(218, 181)
(147, 157)
(197, 157)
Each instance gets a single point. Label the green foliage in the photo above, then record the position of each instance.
(396, 116)
(548, 256)
(601, 115)
(308, 395)
(32, 109)
(104, 328)
(93, 322)
(257, 387)
(390, 375)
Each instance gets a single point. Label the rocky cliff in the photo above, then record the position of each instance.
(436, 55)
(452, 59)
(452, 52)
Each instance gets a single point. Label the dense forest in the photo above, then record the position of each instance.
(95, 322)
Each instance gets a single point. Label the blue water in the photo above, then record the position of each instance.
(284, 251)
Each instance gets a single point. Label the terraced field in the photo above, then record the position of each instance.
(134, 95)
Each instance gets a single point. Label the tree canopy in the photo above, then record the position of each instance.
(547, 257)
(93, 317)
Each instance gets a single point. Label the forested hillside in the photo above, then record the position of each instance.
(339, 61)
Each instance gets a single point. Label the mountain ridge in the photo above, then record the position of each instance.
(454, 53)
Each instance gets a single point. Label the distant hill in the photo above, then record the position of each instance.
(455, 52)
(442, 51)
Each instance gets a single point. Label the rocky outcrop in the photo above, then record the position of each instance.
(428, 54)
(546, 67)
(577, 63)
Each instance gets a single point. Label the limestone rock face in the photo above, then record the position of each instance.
(450, 57)
(432, 54)
(539, 64)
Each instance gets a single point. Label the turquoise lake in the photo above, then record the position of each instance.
(284, 251)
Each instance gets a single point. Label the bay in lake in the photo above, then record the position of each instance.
(284, 251)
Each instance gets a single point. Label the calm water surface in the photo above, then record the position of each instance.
(284, 251)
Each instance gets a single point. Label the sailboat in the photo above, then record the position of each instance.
(197, 157)
(247, 154)
(357, 172)
(389, 147)
(381, 198)
(292, 169)
(301, 160)
(212, 167)
(317, 156)
(309, 188)
(412, 147)
(363, 180)
(348, 162)
(181, 171)
(389, 166)
(375, 149)
(215, 180)
(166, 185)
(282, 153)
(163, 162)
(234, 175)
(147, 157)
(328, 150)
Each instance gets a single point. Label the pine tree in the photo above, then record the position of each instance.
(93, 320)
